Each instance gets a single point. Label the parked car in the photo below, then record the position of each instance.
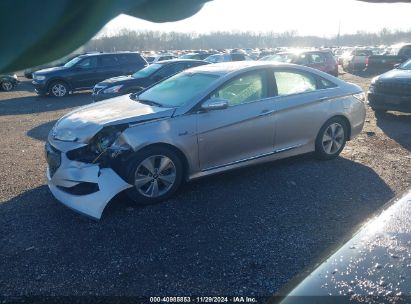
(227, 57)
(356, 60)
(392, 90)
(398, 54)
(202, 121)
(143, 78)
(320, 60)
(371, 267)
(83, 72)
(157, 58)
(8, 82)
(196, 56)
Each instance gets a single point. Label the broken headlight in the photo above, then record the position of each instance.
(104, 143)
(105, 138)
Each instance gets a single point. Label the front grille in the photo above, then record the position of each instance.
(53, 158)
(393, 88)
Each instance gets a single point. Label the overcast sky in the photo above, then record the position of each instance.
(307, 17)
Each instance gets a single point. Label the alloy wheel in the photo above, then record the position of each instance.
(7, 86)
(155, 176)
(333, 138)
(59, 90)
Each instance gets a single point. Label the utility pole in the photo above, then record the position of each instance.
(339, 33)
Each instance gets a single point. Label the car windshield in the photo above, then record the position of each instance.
(72, 62)
(406, 65)
(147, 71)
(178, 90)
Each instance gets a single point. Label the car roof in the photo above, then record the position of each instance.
(180, 60)
(223, 68)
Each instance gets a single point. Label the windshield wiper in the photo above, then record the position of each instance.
(134, 96)
(150, 103)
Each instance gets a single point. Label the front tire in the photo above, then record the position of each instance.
(58, 89)
(156, 174)
(7, 86)
(331, 138)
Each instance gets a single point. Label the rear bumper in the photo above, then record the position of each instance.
(72, 174)
(380, 101)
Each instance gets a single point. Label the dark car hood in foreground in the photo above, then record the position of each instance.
(86, 121)
(374, 264)
(396, 75)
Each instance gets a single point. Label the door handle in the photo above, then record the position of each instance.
(324, 98)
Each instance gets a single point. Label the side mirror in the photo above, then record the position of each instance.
(215, 104)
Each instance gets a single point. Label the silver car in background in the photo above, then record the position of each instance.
(202, 121)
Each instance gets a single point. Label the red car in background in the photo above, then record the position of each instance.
(320, 59)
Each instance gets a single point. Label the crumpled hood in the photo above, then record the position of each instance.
(397, 74)
(84, 122)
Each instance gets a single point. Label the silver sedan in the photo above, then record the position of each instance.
(202, 121)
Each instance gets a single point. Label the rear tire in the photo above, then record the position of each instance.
(331, 138)
(156, 174)
(58, 89)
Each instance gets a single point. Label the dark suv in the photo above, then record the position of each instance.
(148, 76)
(83, 72)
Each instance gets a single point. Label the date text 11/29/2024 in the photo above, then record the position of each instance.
(204, 299)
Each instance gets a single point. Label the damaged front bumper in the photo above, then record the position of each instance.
(84, 187)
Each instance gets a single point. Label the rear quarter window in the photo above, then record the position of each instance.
(132, 58)
(325, 84)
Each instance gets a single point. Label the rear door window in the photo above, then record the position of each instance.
(316, 58)
(302, 59)
(109, 61)
(290, 82)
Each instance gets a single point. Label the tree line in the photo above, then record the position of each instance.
(128, 40)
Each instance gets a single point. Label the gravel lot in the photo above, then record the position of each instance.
(246, 232)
